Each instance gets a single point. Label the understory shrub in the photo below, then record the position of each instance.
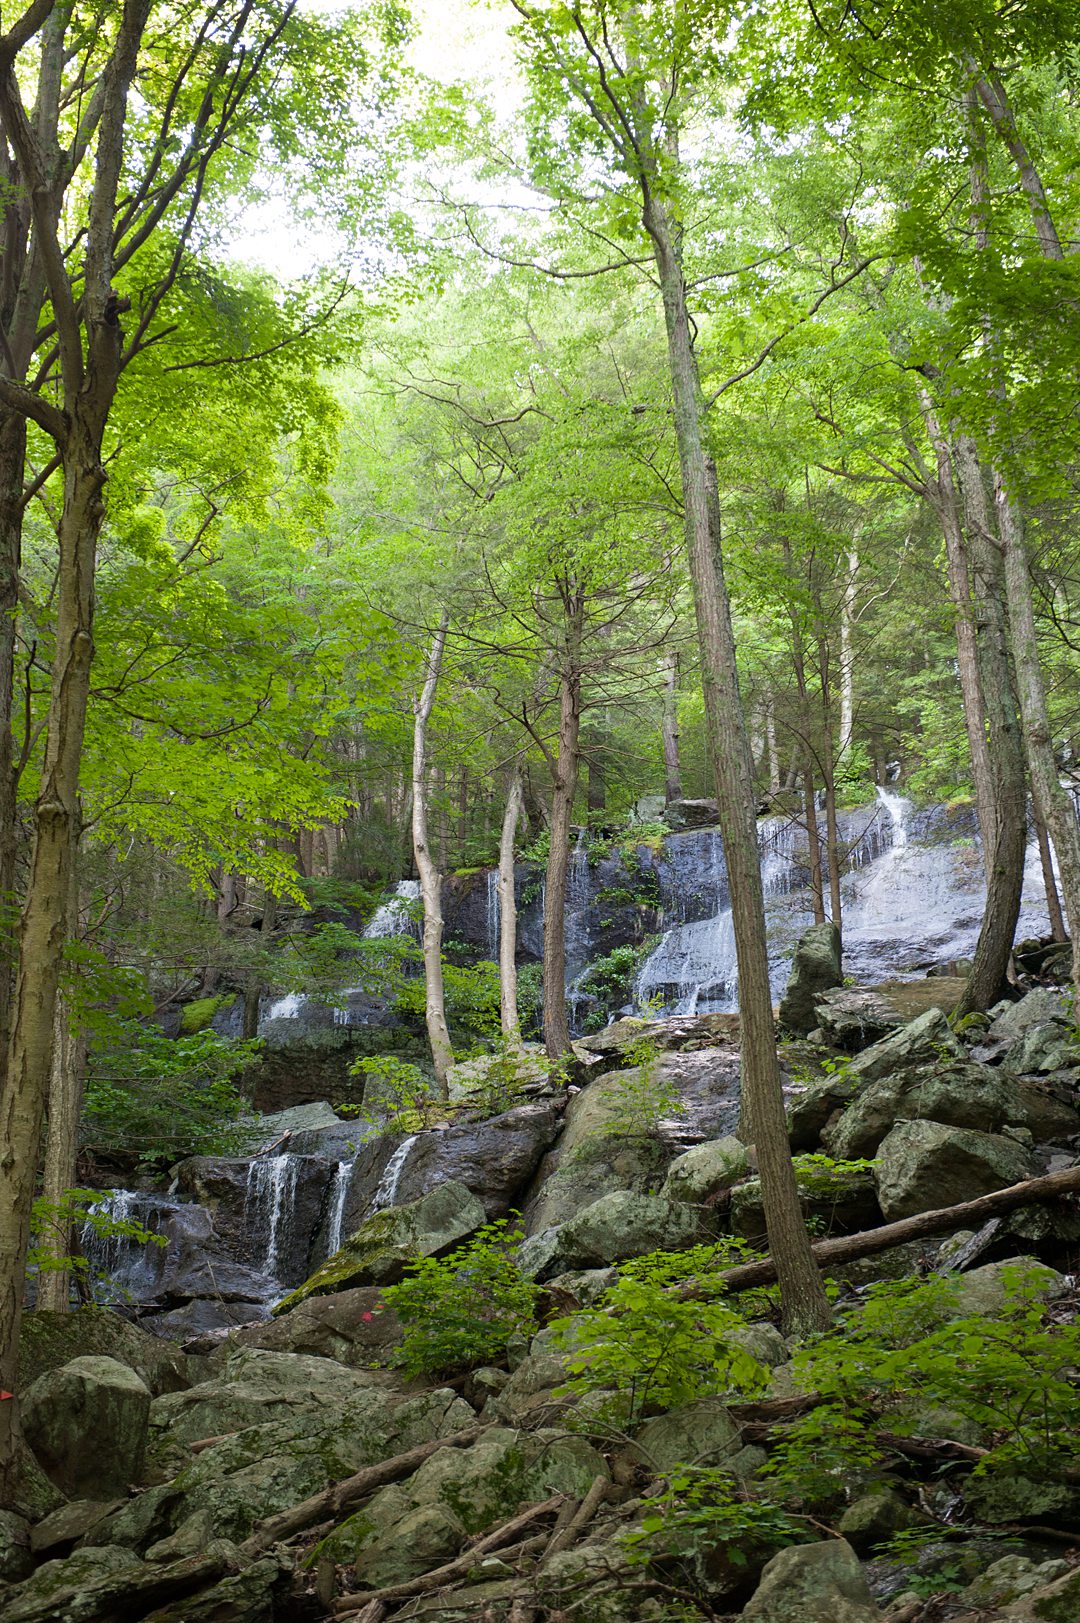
(460, 1311)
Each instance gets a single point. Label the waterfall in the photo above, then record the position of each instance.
(271, 1192)
(493, 912)
(118, 1262)
(386, 1193)
(288, 1007)
(392, 917)
(339, 1194)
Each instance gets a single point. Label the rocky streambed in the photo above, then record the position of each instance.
(286, 1468)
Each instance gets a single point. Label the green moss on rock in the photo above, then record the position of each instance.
(197, 1016)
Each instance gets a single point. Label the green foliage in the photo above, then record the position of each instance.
(642, 1350)
(820, 1174)
(460, 1311)
(158, 1099)
(702, 1507)
(610, 980)
(51, 1223)
(642, 1096)
(471, 994)
(397, 1096)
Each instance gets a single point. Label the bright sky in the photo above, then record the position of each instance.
(457, 40)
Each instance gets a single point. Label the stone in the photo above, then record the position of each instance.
(924, 1165)
(72, 1522)
(623, 1225)
(533, 1384)
(1041, 1049)
(815, 968)
(701, 1433)
(987, 1291)
(219, 1245)
(266, 1132)
(31, 1493)
(561, 1582)
(1058, 1602)
(59, 1585)
(241, 1597)
(503, 1469)
(497, 1158)
(673, 1032)
(86, 1424)
(192, 1535)
(202, 1316)
(875, 1517)
(1005, 1496)
(813, 1583)
(380, 1250)
(959, 1095)
(354, 1327)
(853, 1017)
(48, 1340)
(16, 1562)
(705, 1170)
(841, 1201)
(924, 1040)
(423, 1538)
(1011, 1579)
(1036, 1008)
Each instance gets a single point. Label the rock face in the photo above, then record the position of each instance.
(379, 1251)
(853, 1018)
(957, 1095)
(922, 1165)
(705, 1170)
(815, 969)
(927, 1039)
(87, 1424)
(813, 1583)
(495, 1158)
(48, 1340)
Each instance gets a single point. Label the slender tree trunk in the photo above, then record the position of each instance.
(847, 652)
(442, 1053)
(1053, 900)
(798, 661)
(670, 730)
(772, 757)
(12, 463)
(61, 1150)
(828, 773)
(556, 1025)
(508, 1004)
(803, 1302)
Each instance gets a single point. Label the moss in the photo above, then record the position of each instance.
(198, 1015)
(376, 1252)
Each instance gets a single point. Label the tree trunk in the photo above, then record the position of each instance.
(1053, 900)
(12, 463)
(828, 773)
(817, 881)
(847, 653)
(670, 730)
(508, 1005)
(61, 1151)
(1053, 804)
(804, 1306)
(556, 1025)
(442, 1053)
(771, 755)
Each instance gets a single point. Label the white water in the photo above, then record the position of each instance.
(493, 915)
(287, 1007)
(386, 1193)
(339, 1194)
(271, 1193)
(392, 917)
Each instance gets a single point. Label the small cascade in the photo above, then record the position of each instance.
(493, 914)
(119, 1263)
(289, 1007)
(339, 1194)
(386, 1193)
(393, 917)
(270, 1195)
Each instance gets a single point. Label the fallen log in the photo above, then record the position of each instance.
(439, 1577)
(331, 1501)
(564, 1537)
(827, 1253)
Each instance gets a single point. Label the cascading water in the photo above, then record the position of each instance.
(119, 1264)
(386, 1192)
(393, 916)
(270, 1195)
(493, 914)
(338, 1195)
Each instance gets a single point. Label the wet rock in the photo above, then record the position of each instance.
(705, 1170)
(813, 1583)
(86, 1424)
(853, 1017)
(354, 1327)
(496, 1159)
(197, 1318)
(377, 1254)
(815, 969)
(923, 1165)
(264, 1132)
(264, 1214)
(16, 1562)
(957, 1095)
(48, 1340)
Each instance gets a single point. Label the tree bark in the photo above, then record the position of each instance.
(804, 1306)
(670, 730)
(1053, 900)
(508, 1004)
(564, 787)
(847, 652)
(442, 1053)
(61, 1151)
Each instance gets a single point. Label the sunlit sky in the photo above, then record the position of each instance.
(456, 40)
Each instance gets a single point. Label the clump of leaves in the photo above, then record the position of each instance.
(821, 1175)
(460, 1311)
(644, 1098)
(703, 1508)
(397, 1096)
(159, 1099)
(643, 1350)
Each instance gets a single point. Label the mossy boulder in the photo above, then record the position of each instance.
(86, 1424)
(380, 1250)
(924, 1165)
(48, 1340)
(705, 1170)
(813, 1583)
(57, 1585)
(837, 1199)
(815, 968)
(199, 1014)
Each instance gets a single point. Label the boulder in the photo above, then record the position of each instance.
(262, 1214)
(875, 1517)
(1007, 1496)
(48, 1340)
(956, 1094)
(987, 1291)
(674, 1032)
(496, 1158)
(853, 1017)
(702, 1433)
(1042, 1049)
(839, 1201)
(241, 1597)
(70, 1525)
(1057, 1602)
(1012, 1578)
(57, 1586)
(923, 1165)
(1037, 1008)
(422, 1538)
(354, 1327)
(265, 1132)
(813, 1583)
(16, 1562)
(380, 1250)
(705, 1170)
(87, 1424)
(505, 1468)
(623, 1225)
(815, 969)
(927, 1039)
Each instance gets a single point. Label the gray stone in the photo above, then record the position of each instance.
(496, 1158)
(876, 1516)
(241, 1597)
(265, 1132)
(49, 1340)
(422, 1539)
(852, 1018)
(705, 1170)
(702, 1433)
(815, 969)
(86, 1424)
(70, 1523)
(840, 1200)
(503, 1469)
(927, 1038)
(959, 1095)
(1041, 1049)
(813, 1583)
(354, 1327)
(1058, 1602)
(623, 1225)
(378, 1253)
(1011, 1579)
(1036, 1008)
(924, 1165)
(987, 1291)
(58, 1585)
(1001, 1496)
(16, 1562)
